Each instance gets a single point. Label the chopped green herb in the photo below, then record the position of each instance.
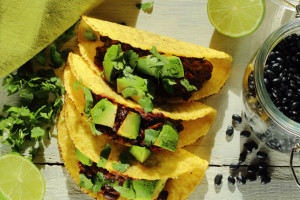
(146, 104)
(87, 95)
(41, 57)
(37, 132)
(83, 159)
(93, 129)
(150, 136)
(162, 58)
(186, 84)
(99, 182)
(126, 190)
(104, 156)
(146, 7)
(168, 85)
(123, 164)
(85, 182)
(89, 35)
(56, 57)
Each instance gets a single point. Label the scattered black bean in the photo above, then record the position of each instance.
(231, 180)
(241, 179)
(262, 155)
(265, 179)
(234, 166)
(262, 172)
(229, 130)
(236, 118)
(263, 165)
(251, 177)
(253, 145)
(248, 147)
(242, 157)
(252, 169)
(245, 134)
(218, 179)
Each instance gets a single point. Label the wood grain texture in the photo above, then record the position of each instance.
(188, 21)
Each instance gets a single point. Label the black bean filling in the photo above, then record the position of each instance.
(196, 70)
(148, 121)
(107, 191)
(282, 76)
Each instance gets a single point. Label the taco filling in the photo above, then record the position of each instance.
(144, 75)
(112, 185)
(134, 127)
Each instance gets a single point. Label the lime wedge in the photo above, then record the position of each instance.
(20, 179)
(235, 18)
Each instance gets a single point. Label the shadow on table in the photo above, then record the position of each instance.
(119, 11)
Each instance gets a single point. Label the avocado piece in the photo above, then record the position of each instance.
(130, 126)
(150, 136)
(140, 153)
(104, 113)
(136, 82)
(126, 190)
(168, 137)
(174, 68)
(149, 65)
(148, 190)
(111, 62)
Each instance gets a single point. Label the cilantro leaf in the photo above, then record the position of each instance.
(154, 51)
(56, 57)
(186, 84)
(41, 57)
(93, 129)
(99, 182)
(126, 190)
(123, 164)
(104, 156)
(37, 132)
(87, 95)
(146, 7)
(89, 35)
(146, 104)
(85, 182)
(168, 85)
(82, 158)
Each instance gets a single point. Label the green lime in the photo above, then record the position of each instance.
(235, 18)
(20, 179)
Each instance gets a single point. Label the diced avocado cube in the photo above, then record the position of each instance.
(149, 65)
(148, 190)
(110, 62)
(126, 190)
(140, 153)
(150, 136)
(104, 113)
(168, 137)
(136, 82)
(130, 126)
(173, 69)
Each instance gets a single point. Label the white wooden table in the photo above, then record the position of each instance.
(187, 20)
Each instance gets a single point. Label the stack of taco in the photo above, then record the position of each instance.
(129, 108)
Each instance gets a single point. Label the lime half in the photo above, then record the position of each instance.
(20, 179)
(235, 18)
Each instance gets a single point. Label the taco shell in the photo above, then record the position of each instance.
(179, 188)
(197, 117)
(145, 40)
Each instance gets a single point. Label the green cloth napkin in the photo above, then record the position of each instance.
(28, 26)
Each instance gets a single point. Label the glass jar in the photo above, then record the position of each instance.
(270, 125)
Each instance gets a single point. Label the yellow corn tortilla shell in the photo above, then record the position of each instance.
(162, 164)
(198, 117)
(145, 40)
(179, 188)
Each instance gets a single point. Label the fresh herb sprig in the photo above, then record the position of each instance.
(24, 126)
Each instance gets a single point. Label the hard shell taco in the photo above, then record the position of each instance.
(168, 127)
(142, 65)
(174, 177)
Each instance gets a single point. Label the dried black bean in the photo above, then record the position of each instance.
(265, 179)
(251, 177)
(229, 130)
(218, 179)
(242, 157)
(253, 145)
(236, 118)
(245, 133)
(252, 169)
(231, 180)
(263, 165)
(262, 172)
(248, 147)
(241, 179)
(234, 166)
(262, 155)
